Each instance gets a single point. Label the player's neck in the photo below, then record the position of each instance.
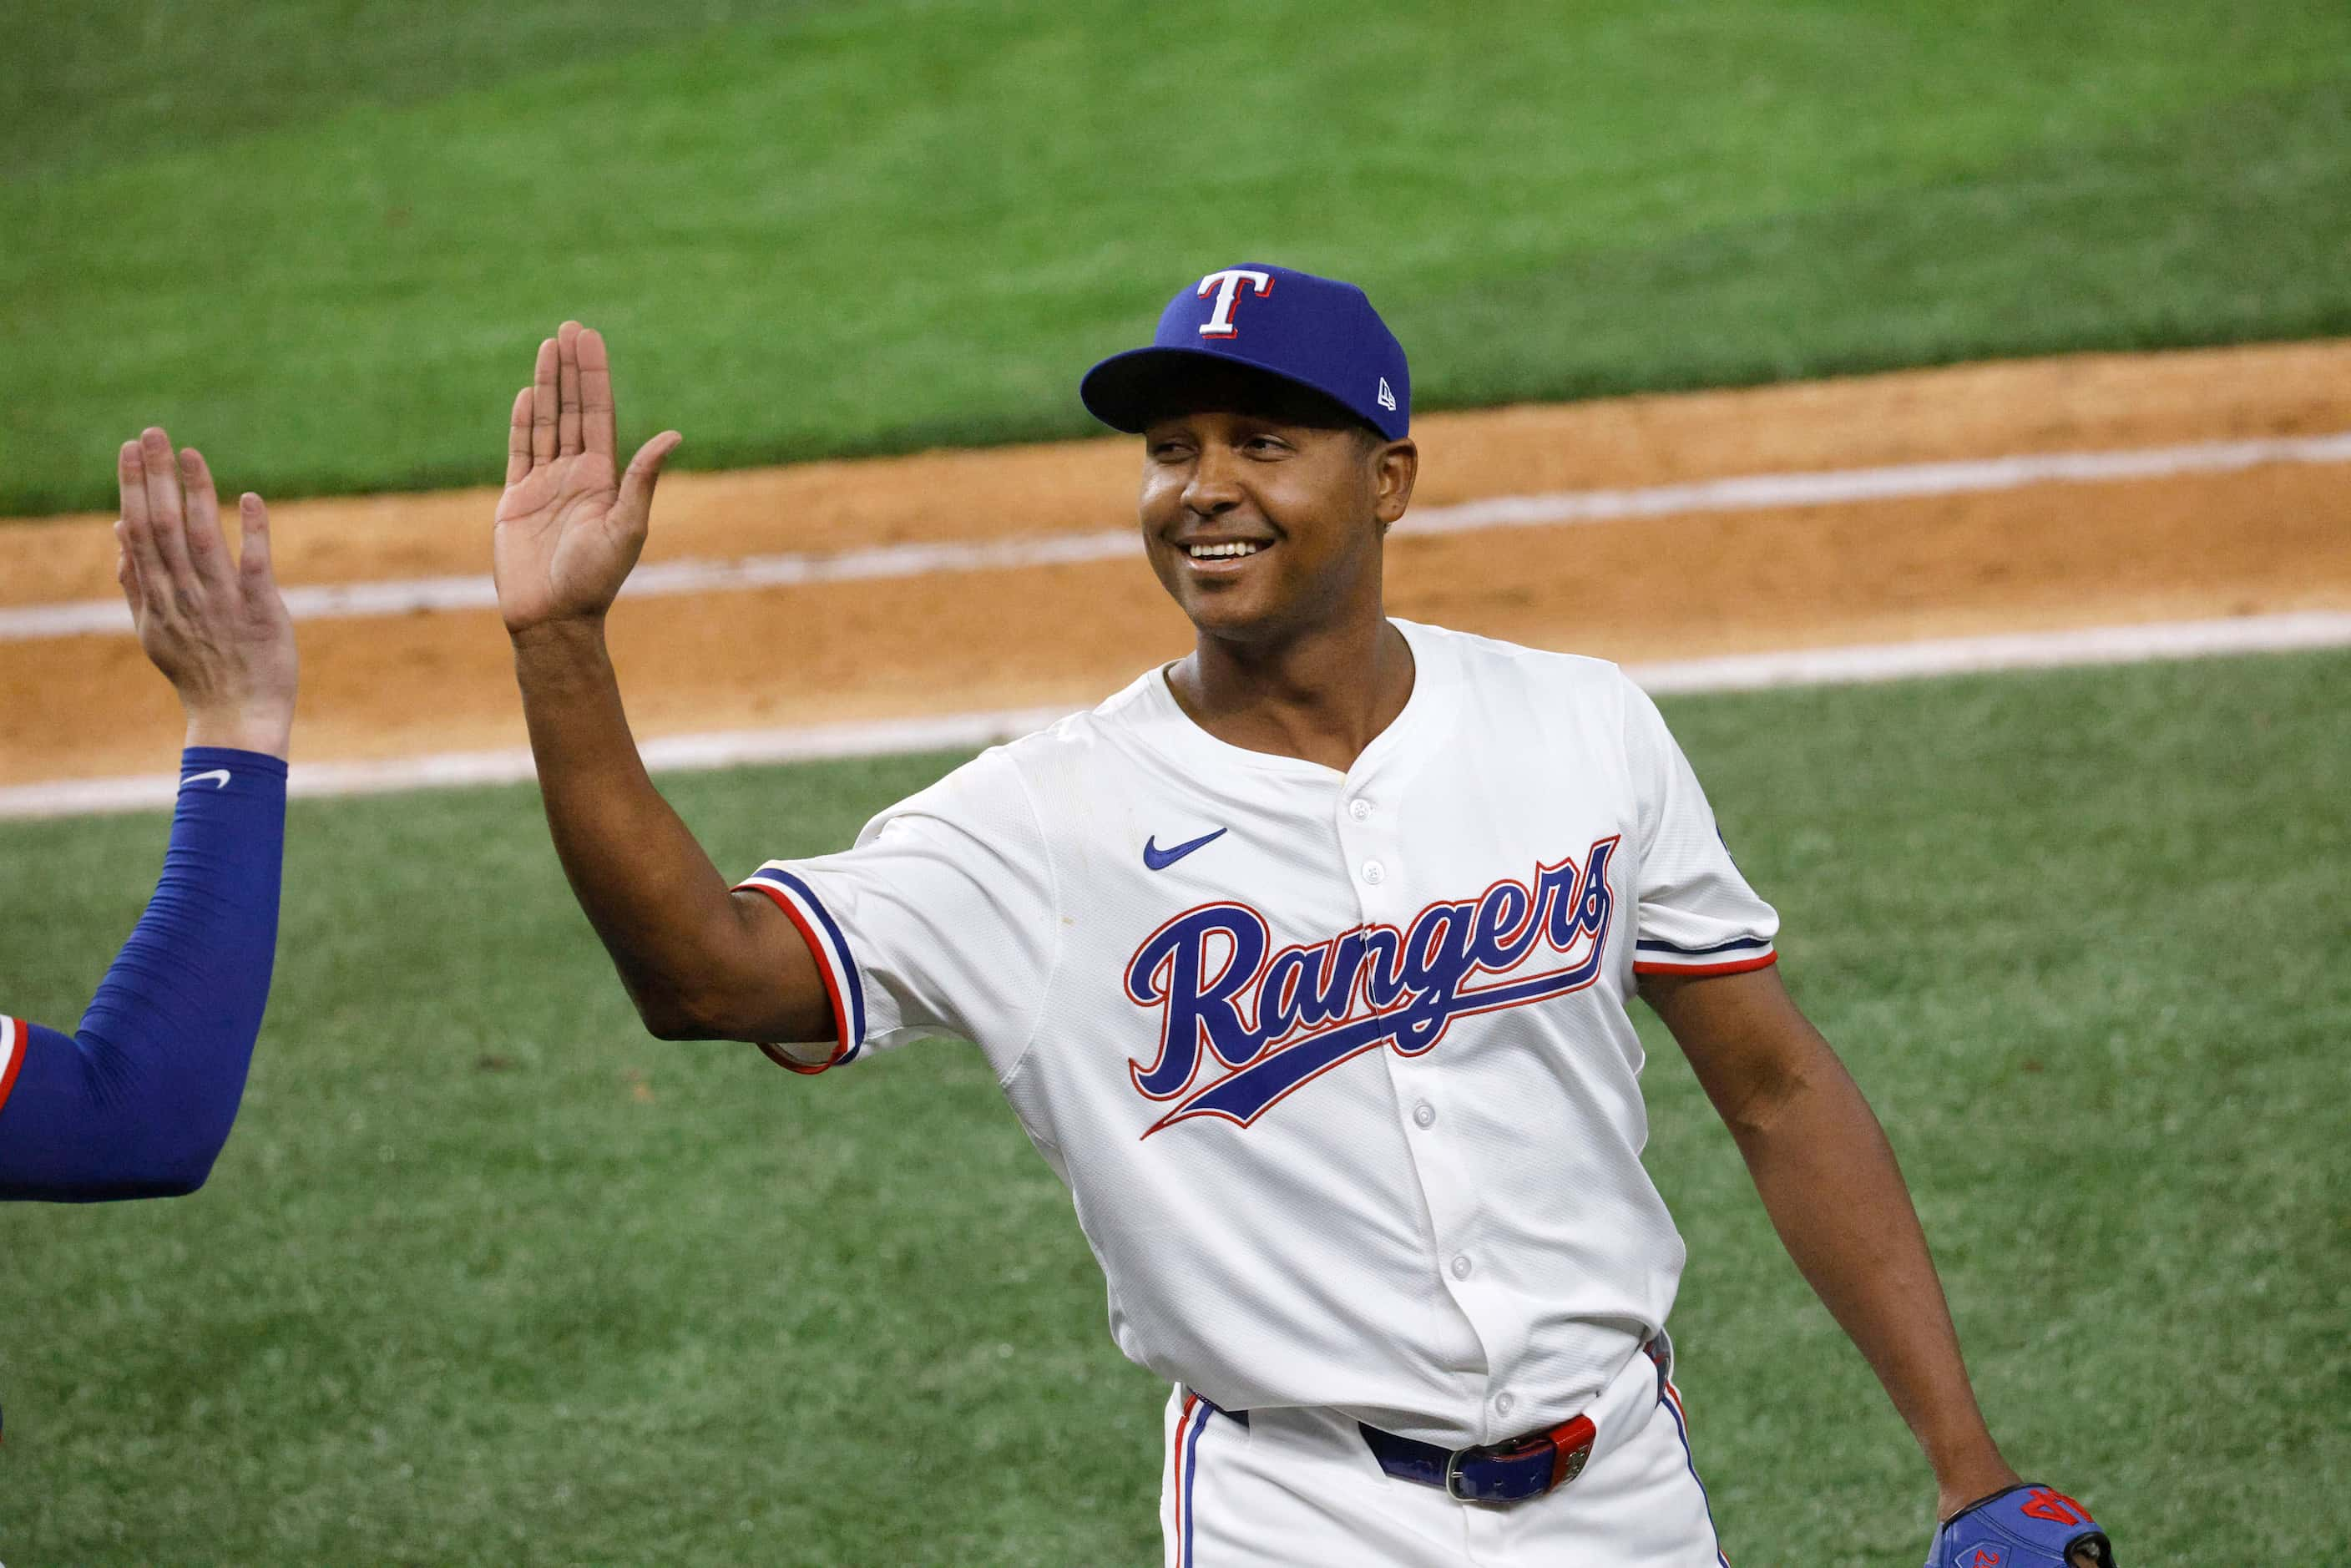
(1322, 695)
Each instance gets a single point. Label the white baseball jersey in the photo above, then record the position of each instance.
(1336, 1067)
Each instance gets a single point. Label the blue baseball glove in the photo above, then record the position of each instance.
(2028, 1526)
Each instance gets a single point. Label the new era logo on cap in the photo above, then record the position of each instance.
(1314, 332)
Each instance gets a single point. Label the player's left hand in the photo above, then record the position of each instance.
(569, 529)
(2027, 1526)
(213, 624)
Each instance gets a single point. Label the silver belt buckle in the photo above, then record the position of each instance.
(1453, 1476)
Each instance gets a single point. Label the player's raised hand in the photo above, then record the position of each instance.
(213, 624)
(569, 529)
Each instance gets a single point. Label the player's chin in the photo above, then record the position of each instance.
(1240, 619)
(1223, 602)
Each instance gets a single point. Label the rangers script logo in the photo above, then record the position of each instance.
(1273, 1021)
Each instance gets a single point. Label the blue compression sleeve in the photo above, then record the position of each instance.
(138, 1102)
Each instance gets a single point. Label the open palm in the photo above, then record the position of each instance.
(569, 529)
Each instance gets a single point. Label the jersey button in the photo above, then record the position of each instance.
(1375, 873)
(1503, 1403)
(1460, 1265)
(1424, 1115)
(1359, 809)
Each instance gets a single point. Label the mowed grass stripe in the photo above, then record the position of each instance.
(487, 1277)
(881, 228)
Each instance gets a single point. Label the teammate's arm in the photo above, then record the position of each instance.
(699, 961)
(138, 1102)
(1828, 1179)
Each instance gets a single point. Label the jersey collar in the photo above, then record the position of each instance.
(1173, 731)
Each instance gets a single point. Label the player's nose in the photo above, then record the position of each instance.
(1214, 485)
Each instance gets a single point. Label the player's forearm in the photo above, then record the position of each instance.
(139, 1101)
(1830, 1181)
(663, 911)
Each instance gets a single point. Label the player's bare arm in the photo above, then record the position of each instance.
(1828, 1178)
(700, 962)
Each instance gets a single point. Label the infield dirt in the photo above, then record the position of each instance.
(2040, 556)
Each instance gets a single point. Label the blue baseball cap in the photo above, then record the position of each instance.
(1314, 332)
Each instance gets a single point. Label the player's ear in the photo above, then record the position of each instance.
(1395, 465)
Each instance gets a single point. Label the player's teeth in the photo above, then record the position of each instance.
(1218, 552)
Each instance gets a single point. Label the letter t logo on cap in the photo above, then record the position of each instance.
(1228, 284)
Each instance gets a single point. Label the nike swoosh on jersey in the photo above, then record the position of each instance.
(219, 777)
(1158, 859)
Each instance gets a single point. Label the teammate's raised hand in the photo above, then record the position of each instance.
(214, 625)
(569, 529)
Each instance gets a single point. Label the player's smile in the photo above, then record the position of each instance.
(1220, 552)
(1217, 555)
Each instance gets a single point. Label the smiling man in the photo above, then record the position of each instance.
(1304, 962)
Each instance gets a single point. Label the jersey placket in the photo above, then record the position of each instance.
(1390, 891)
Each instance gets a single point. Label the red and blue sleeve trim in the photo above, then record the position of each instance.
(15, 1033)
(1741, 954)
(835, 962)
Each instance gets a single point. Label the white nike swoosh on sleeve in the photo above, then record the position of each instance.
(219, 776)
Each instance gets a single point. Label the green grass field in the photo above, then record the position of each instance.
(486, 1276)
(321, 241)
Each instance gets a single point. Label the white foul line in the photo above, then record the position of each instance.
(1744, 493)
(968, 731)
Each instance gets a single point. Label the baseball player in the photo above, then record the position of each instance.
(137, 1101)
(1304, 962)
